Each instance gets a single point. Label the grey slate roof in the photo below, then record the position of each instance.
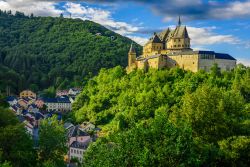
(132, 49)
(57, 100)
(217, 55)
(155, 39)
(80, 145)
(223, 56)
(76, 131)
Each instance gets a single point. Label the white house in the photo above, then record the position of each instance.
(58, 104)
(11, 100)
(78, 141)
(74, 91)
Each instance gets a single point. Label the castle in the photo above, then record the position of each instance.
(171, 48)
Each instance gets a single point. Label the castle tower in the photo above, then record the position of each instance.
(131, 55)
(179, 39)
(153, 46)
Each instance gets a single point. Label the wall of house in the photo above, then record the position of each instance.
(39, 103)
(186, 62)
(225, 65)
(153, 63)
(59, 106)
(206, 63)
(178, 43)
(152, 49)
(76, 153)
(82, 139)
(27, 93)
(141, 65)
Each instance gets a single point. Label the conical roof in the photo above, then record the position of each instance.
(132, 49)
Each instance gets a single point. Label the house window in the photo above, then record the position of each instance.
(71, 150)
(77, 151)
(74, 151)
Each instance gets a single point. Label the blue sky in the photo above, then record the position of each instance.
(219, 25)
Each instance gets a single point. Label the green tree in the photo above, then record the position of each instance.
(16, 145)
(52, 142)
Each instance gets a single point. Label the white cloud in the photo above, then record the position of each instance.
(140, 40)
(205, 36)
(100, 16)
(232, 10)
(244, 61)
(29, 6)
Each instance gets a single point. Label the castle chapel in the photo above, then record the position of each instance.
(171, 48)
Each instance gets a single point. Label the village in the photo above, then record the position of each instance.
(31, 109)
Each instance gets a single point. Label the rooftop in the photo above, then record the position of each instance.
(80, 145)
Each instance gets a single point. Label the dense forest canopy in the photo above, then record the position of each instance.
(43, 52)
(168, 117)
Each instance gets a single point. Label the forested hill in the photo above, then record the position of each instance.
(168, 117)
(42, 52)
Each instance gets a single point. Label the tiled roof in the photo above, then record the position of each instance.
(76, 131)
(132, 49)
(80, 145)
(20, 118)
(57, 100)
(67, 125)
(217, 55)
(223, 56)
(155, 39)
(38, 116)
(11, 98)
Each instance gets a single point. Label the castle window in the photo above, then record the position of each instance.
(182, 45)
(174, 45)
(179, 40)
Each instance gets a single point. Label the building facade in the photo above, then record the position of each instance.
(58, 104)
(171, 48)
(27, 93)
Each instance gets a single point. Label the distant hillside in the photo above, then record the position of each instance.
(42, 52)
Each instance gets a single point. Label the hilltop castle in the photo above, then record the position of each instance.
(171, 48)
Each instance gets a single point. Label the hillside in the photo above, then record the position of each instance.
(42, 52)
(168, 117)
